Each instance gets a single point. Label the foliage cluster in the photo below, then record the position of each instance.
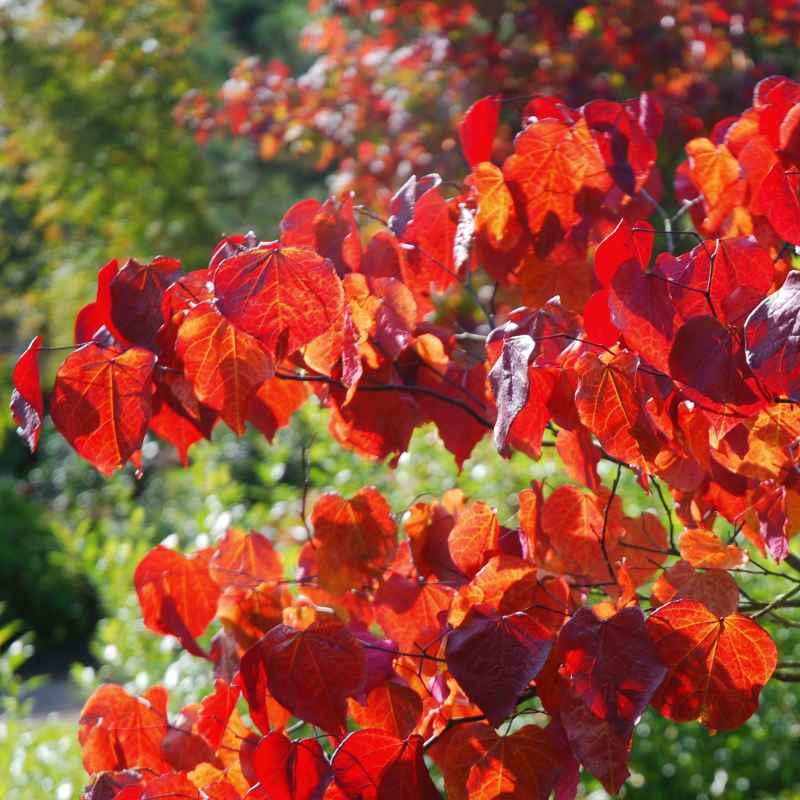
(389, 81)
(408, 631)
(674, 368)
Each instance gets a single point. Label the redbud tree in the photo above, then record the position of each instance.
(543, 296)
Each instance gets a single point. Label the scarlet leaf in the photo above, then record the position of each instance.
(478, 128)
(411, 612)
(118, 731)
(642, 310)
(27, 403)
(393, 707)
(480, 765)
(717, 667)
(551, 163)
(275, 402)
(291, 770)
(355, 538)
(609, 405)
(225, 365)
(285, 297)
(625, 243)
(101, 402)
(494, 657)
(245, 560)
(136, 292)
(777, 198)
(177, 594)
(215, 711)
(371, 764)
(97, 314)
(312, 672)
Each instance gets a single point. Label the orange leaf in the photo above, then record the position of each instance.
(573, 522)
(550, 165)
(473, 537)
(702, 548)
(355, 539)
(497, 218)
(284, 296)
(119, 731)
(480, 765)
(225, 365)
(245, 560)
(176, 593)
(610, 407)
(101, 402)
(717, 667)
(715, 589)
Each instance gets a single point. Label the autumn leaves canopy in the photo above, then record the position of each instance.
(531, 301)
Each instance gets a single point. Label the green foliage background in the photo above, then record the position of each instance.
(93, 167)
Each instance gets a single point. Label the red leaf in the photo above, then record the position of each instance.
(312, 672)
(354, 539)
(136, 292)
(101, 402)
(610, 406)
(375, 429)
(245, 560)
(642, 310)
(225, 365)
(717, 667)
(715, 589)
(27, 403)
(97, 313)
(611, 671)
(371, 764)
(177, 595)
(215, 711)
(118, 731)
(393, 707)
(494, 657)
(460, 431)
(478, 128)
(736, 273)
(706, 357)
(291, 770)
(285, 297)
(411, 612)
(480, 765)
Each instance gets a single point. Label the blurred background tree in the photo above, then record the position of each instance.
(93, 165)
